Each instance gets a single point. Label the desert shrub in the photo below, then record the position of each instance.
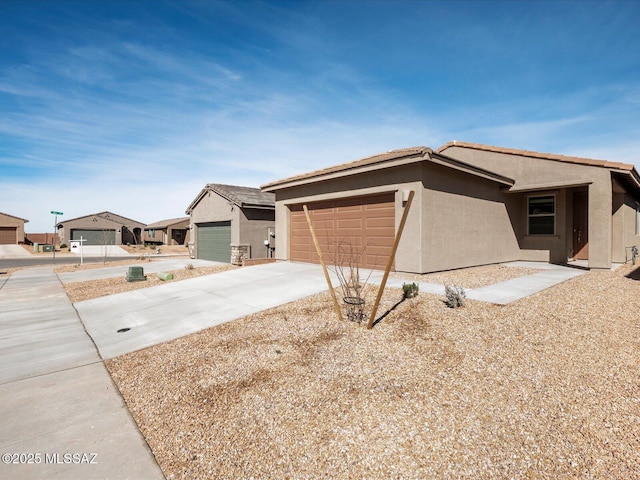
(189, 266)
(455, 296)
(410, 290)
(63, 245)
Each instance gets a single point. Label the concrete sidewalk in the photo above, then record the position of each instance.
(57, 397)
(506, 292)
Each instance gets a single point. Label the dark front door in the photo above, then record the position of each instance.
(580, 226)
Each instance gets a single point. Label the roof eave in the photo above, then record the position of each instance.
(347, 171)
(539, 155)
(258, 206)
(470, 169)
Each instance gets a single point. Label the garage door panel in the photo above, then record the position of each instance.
(377, 262)
(364, 224)
(214, 241)
(322, 225)
(350, 223)
(383, 223)
(382, 240)
(350, 209)
(8, 235)
(380, 212)
(94, 237)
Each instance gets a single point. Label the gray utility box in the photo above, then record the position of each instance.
(136, 274)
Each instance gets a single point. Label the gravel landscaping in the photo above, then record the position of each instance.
(80, 291)
(474, 277)
(546, 387)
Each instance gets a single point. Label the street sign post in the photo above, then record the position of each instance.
(55, 226)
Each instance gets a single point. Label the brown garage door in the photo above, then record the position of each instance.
(7, 235)
(362, 225)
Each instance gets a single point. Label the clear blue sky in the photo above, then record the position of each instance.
(133, 106)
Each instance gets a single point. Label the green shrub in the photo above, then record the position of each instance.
(410, 290)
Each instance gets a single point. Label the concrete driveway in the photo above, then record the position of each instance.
(165, 312)
(57, 397)
(13, 251)
(126, 322)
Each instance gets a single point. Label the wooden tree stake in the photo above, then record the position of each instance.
(391, 257)
(324, 268)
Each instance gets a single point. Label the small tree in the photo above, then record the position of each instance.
(346, 259)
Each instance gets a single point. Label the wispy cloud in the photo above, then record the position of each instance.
(104, 106)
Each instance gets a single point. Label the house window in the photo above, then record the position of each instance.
(152, 233)
(542, 215)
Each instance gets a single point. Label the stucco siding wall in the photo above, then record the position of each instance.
(623, 227)
(547, 248)
(9, 221)
(600, 220)
(466, 221)
(214, 208)
(254, 225)
(534, 171)
(524, 170)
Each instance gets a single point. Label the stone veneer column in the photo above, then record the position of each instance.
(238, 253)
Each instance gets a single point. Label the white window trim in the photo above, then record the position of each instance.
(555, 210)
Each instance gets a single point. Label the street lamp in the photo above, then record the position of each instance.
(55, 225)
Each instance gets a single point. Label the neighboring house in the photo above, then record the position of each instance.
(104, 228)
(229, 223)
(473, 205)
(174, 231)
(11, 229)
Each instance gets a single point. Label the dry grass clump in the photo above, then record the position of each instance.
(473, 277)
(546, 387)
(80, 291)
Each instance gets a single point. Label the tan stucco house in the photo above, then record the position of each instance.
(230, 223)
(104, 228)
(474, 205)
(11, 229)
(174, 231)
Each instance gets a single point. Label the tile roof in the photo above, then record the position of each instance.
(166, 223)
(545, 156)
(243, 197)
(372, 160)
(106, 215)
